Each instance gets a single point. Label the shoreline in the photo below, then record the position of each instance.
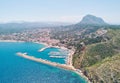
(63, 66)
(69, 56)
(45, 44)
(24, 55)
(68, 59)
(10, 41)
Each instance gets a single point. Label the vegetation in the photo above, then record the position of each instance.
(106, 71)
(101, 59)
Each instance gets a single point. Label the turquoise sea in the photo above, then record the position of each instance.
(15, 69)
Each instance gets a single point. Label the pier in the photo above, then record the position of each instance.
(64, 66)
(53, 56)
(42, 49)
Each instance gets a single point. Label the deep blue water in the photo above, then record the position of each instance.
(15, 69)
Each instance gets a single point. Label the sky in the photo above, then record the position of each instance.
(58, 10)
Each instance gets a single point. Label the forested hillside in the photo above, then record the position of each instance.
(100, 61)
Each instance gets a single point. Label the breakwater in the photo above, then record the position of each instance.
(24, 55)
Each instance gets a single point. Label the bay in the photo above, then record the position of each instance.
(15, 69)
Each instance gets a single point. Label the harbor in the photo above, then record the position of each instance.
(67, 66)
(64, 66)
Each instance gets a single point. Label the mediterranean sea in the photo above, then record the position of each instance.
(15, 69)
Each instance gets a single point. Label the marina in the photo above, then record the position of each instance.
(24, 55)
(55, 56)
(64, 66)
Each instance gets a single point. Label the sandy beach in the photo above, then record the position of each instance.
(10, 41)
(69, 57)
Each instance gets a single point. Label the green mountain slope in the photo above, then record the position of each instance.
(100, 61)
(106, 71)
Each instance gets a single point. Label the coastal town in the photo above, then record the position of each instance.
(40, 36)
(36, 35)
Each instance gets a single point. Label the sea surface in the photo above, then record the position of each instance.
(15, 69)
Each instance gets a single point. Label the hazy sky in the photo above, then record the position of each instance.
(58, 10)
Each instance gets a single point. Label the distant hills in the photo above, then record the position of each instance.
(92, 20)
(88, 21)
(6, 28)
(33, 24)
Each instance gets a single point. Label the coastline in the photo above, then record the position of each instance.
(63, 66)
(69, 56)
(50, 46)
(10, 41)
(68, 59)
(45, 44)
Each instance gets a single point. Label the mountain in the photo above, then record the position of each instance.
(33, 24)
(97, 48)
(90, 19)
(99, 60)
